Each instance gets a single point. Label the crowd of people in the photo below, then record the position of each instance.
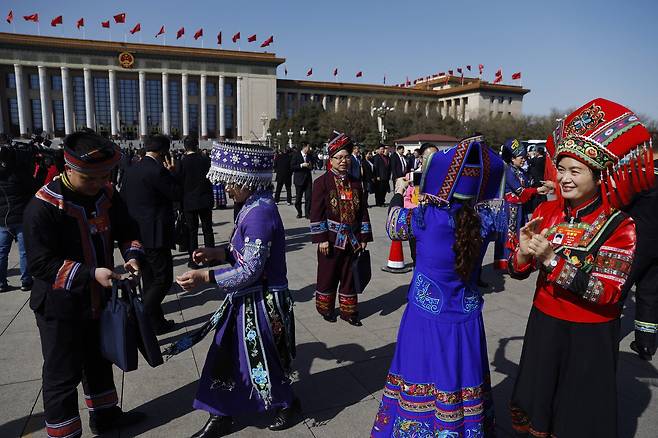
(579, 213)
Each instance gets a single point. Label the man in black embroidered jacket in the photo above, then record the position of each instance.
(70, 228)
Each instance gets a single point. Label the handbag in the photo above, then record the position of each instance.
(147, 342)
(118, 330)
(181, 232)
(361, 271)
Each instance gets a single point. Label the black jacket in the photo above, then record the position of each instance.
(301, 176)
(282, 165)
(150, 190)
(191, 173)
(382, 168)
(398, 170)
(16, 189)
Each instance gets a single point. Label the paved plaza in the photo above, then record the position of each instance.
(340, 369)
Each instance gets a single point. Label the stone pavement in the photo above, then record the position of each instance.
(341, 369)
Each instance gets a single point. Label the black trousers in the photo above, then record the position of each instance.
(192, 221)
(644, 275)
(158, 275)
(71, 354)
(287, 181)
(381, 188)
(306, 191)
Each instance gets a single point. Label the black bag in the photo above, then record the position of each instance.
(147, 342)
(361, 271)
(181, 232)
(118, 330)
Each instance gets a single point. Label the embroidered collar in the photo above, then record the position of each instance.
(582, 210)
(338, 175)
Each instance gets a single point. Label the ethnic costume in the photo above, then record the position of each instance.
(68, 235)
(219, 195)
(247, 366)
(517, 193)
(566, 383)
(339, 215)
(438, 383)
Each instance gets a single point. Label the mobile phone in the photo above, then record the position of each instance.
(417, 178)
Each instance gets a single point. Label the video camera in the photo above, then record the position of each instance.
(25, 154)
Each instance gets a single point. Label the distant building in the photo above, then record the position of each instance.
(413, 142)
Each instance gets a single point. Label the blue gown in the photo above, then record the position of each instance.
(438, 383)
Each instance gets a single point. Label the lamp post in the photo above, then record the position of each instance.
(278, 139)
(268, 136)
(381, 112)
(302, 132)
(290, 134)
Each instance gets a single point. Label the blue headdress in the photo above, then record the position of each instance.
(241, 163)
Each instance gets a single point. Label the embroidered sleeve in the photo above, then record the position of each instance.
(319, 227)
(248, 268)
(365, 231)
(493, 217)
(612, 265)
(398, 222)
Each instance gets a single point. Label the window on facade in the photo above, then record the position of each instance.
(11, 80)
(211, 89)
(37, 126)
(79, 102)
(193, 114)
(56, 82)
(211, 118)
(192, 88)
(153, 105)
(128, 105)
(228, 116)
(175, 119)
(34, 81)
(58, 116)
(13, 115)
(228, 89)
(102, 105)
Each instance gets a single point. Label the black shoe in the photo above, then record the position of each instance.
(482, 283)
(284, 417)
(641, 351)
(193, 265)
(26, 287)
(299, 215)
(5, 288)
(330, 318)
(289, 203)
(104, 420)
(216, 426)
(164, 326)
(352, 320)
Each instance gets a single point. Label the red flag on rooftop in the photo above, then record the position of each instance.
(481, 68)
(468, 67)
(408, 82)
(309, 72)
(359, 74)
(450, 72)
(57, 20)
(499, 76)
(180, 32)
(268, 41)
(105, 24)
(33, 17)
(160, 32)
(219, 38)
(236, 37)
(459, 70)
(198, 34)
(285, 71)
(516, 75)
(120, 18)
(252, 38)
(136, 29)
(10, 17)
(442, 73)
(384, 79)
(335, 71)
(80, 23)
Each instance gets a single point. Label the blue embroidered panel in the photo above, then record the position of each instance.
(249, 266)
(427, 294)
(470, 300)
(319, 227)
(398, 223)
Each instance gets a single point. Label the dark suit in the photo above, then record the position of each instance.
(398, 166)
(150, 190)
(197, 198)
(282, 165)
(368, 170)
(303, 180)
(355, 167)
(382, 173)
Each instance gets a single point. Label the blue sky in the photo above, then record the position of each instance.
(568, 51)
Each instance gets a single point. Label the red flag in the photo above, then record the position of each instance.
(442, 73)
(309, 72)
(459, 70)
(268, 41)
(198, 34)
(499, 76)
(236, 37)
(481, 68)
(57, 20)
(219, 38)
(408, 82)
(516, 75)
(120, 18)
(105, 24)
(80, 23)
(10, 17)
(160, 32)
(335, 71)
(136, 29)
(180, 32)
(468, 67)
(359, 74)
(33, 17)
(285, 71)
(252, 38)
(450, 72)
(384, 79)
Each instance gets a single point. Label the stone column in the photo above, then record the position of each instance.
(165, 103)
(202, 108)
(68, 104)
(186, 122)
(427, 109)
(114, 106)
(406, 106)
(90, 109)
(23, 121)
(142, 104)
(46, 104)
(349, 102)
(336, 103)
(222, 112)
(324, 102)
(238, 108)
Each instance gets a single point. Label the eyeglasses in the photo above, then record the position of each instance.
(341, 158)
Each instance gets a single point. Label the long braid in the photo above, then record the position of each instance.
(468, 241)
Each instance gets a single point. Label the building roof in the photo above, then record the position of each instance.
(97, 47)
(427, 138)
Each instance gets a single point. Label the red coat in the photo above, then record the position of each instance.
(595, 253)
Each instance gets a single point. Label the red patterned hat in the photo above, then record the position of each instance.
(607, 137)
(338, 143)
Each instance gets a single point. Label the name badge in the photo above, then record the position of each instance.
(568, 236)
(346, 196)
(98, 225)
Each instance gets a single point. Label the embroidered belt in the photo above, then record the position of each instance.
(343, 233)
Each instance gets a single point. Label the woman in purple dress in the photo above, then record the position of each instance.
(438, 384)
(247, 366)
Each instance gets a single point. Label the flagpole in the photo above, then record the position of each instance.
(38, 29)
(164, 40)
(84, 37)
(202, 42)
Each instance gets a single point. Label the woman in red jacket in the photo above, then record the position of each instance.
(583, 248)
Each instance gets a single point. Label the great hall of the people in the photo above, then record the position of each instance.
(55, 86)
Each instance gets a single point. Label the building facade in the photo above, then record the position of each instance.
(55, 86)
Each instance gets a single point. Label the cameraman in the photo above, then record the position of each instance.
(16, 189)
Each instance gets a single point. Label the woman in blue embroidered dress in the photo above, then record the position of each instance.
(438, 384)
(247, 366)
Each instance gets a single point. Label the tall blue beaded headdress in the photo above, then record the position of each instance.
(241, 163)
